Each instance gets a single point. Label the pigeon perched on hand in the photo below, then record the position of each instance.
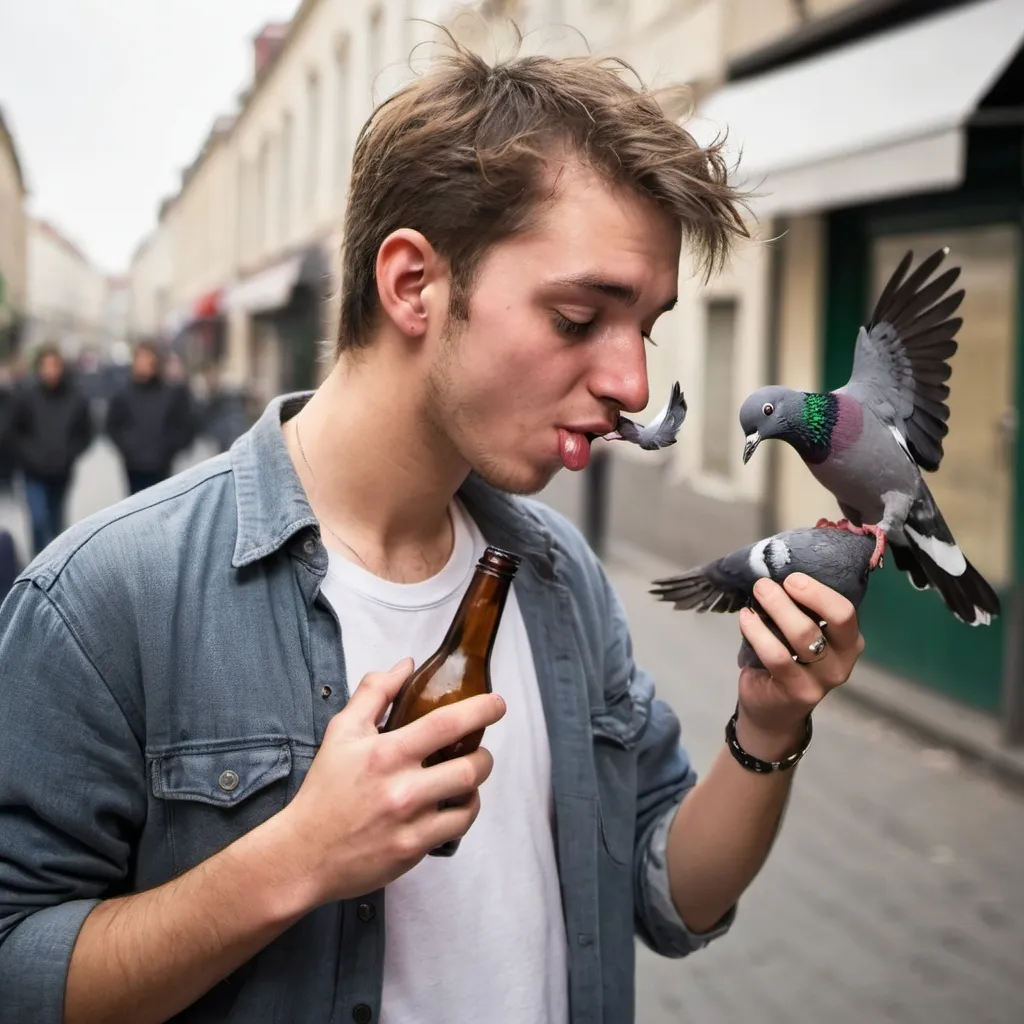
(868, 441)
(660, 432)
(835, 557)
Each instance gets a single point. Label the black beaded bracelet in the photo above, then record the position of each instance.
(755, 764)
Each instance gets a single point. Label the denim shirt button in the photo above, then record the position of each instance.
(366, 911)
(309, 546)
(362, 1014)
(584, 939)
(228, 780)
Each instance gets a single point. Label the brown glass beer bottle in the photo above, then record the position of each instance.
(460, 667)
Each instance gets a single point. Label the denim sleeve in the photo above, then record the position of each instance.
(664, 777)
(72, 797)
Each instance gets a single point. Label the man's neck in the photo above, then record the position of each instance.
(378, 479)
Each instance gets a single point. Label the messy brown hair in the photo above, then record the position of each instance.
(459, 155)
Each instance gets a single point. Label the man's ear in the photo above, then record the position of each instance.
(410, 276)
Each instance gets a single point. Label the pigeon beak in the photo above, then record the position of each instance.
(752, 441)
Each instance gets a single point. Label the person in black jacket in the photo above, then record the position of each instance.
(150, 420)
(50, 428)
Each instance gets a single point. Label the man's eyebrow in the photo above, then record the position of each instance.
(624, 293)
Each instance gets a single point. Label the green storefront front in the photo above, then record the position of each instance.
(978, 483)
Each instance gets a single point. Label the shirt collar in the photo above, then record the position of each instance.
(272, 505)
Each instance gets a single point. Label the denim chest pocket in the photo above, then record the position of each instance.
(617, 728)
(211, 795)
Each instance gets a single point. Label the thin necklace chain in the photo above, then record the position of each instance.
(340, 540)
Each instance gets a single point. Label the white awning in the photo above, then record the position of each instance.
(877, 118)
(266, 290)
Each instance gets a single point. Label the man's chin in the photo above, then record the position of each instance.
(522, 479)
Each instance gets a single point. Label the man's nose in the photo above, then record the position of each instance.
(620, 375)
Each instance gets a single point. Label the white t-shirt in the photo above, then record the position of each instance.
(480, 935)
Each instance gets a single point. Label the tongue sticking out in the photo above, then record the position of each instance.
(574, 449)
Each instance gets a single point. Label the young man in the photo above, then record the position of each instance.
(150, 420)
(198, 813)
(50, 428)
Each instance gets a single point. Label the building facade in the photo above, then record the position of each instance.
(13, 245)
(150, 284)
(66, 294)
(248, 246)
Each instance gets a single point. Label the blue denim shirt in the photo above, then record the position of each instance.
(181, 634)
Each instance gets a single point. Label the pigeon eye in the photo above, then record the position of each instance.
(767, 408)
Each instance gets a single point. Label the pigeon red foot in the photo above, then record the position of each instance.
(868, 529)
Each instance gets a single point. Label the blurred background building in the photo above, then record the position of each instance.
(13, 245)
(67, 294)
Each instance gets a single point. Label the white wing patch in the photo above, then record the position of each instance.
(756, 560)
(778, 552)
(770, 551)
(901, 441)
(947, 557)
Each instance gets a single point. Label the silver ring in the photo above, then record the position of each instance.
(818, 645)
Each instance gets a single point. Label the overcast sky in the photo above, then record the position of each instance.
(109, 99)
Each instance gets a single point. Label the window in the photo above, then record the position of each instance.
(262, 211)
(719, 412)
(284, 189)
(341, 112)
(313, 129)
(244, 207)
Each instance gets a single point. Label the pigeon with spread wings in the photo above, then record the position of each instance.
(868, 441)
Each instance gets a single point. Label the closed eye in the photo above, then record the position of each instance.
(573, 328)
(580, 328)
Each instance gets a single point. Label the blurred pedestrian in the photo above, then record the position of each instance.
(150, 419)
(223, 416)
(7, 462)
(9, 567)
(50, 427)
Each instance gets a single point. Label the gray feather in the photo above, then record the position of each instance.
(661, 431)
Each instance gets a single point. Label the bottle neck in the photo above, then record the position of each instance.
(475, 624)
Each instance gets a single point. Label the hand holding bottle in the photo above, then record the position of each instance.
(368, 810)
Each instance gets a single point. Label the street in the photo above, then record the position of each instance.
(895, 891)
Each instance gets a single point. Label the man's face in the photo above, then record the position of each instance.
(144, 365)
(554, 346)
(51, 370)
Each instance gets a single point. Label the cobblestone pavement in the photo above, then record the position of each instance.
(895, 891)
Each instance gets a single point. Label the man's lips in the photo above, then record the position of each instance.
(574, 443)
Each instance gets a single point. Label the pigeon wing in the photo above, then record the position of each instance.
(721, 586)
(900, 361)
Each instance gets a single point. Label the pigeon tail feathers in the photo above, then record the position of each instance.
(695, 590)
(933, 560)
